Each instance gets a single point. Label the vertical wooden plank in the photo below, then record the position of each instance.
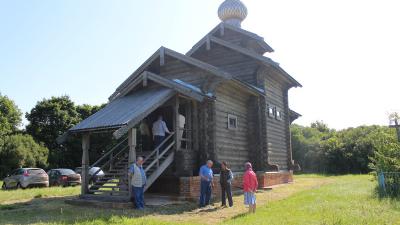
(208, 43)
(195, 134)
(132, 154)
(287, 128)
(85, 163)
(176, 124)
(162, 56)
(144, 79)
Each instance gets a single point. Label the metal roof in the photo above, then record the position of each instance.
(123, 110)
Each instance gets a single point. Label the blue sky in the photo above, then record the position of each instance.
(345, 53)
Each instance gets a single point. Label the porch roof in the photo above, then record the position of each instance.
(129, 109)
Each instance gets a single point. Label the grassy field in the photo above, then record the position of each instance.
(312, 199)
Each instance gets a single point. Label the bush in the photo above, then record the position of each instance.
(21, 151)
(320, 149)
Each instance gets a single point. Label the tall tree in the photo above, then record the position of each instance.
(10, 116)
(49, 119)
(52, 117)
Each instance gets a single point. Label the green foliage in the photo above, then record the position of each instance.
(51, 118)
(21, 151)
(10, 116)
(320, 149)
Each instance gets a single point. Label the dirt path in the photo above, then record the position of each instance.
(214, 214)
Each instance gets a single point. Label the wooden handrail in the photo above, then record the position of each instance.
(158, 147)
(160, 156)
(108, 153)
(108, 162)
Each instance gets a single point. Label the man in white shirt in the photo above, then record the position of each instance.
(159, 130)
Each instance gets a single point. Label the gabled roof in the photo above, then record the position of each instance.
(221, 28)
(264, 60)
(125, 110)
(161, 54)
(176, 85)
(293, 115)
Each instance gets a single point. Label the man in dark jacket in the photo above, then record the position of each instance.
(226, 178)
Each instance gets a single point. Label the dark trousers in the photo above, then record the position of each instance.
(139, 197)
(226, 190)
(158, 140)
(205, 193)
(146, 143)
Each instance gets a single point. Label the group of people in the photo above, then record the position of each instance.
(250, 184)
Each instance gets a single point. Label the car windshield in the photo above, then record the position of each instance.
(36, 171)
(66, 172)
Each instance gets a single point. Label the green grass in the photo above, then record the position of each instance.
(312, 199)
(19, 195)
(350, 200)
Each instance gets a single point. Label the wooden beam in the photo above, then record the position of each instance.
(85, 163)
(208, 43)
(195, 126)
(162, 56)
(129, 88)
(134, 75)
(222, 29)
(264, 60)
(132, 154)
(200, 64)
(174, 85)
(177, 124)
(144, 79)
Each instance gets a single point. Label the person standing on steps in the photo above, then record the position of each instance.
(225, 179)
(250, 185)
(206, 184)
(138, 181)
(159, 130)
(145, 135)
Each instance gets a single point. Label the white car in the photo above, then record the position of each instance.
(26, 177)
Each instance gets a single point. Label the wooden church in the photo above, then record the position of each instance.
(223, 100)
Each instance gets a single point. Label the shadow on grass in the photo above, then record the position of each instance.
(54, 210)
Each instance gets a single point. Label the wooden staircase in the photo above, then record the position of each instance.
(114, 185)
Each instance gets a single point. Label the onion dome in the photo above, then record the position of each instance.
(232, 12)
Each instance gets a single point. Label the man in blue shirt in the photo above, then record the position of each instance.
(138, 181)
(206, 176)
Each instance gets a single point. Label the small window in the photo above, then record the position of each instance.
(271, 111)
(232, 122)
(279, 114)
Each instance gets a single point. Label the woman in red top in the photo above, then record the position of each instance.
(250, 185)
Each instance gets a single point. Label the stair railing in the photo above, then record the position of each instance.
(157, 153)
(109, 152)
(157, 149)
(112, 155)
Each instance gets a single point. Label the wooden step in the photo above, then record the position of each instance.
(110, 192)
(111, 182)
(108, 186)
(115, 174)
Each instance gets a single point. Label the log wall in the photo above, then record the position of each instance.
(277, 130)
(232, 145)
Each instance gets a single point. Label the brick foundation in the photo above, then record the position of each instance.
(189, 187)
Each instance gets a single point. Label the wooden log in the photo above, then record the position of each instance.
(85, 163)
